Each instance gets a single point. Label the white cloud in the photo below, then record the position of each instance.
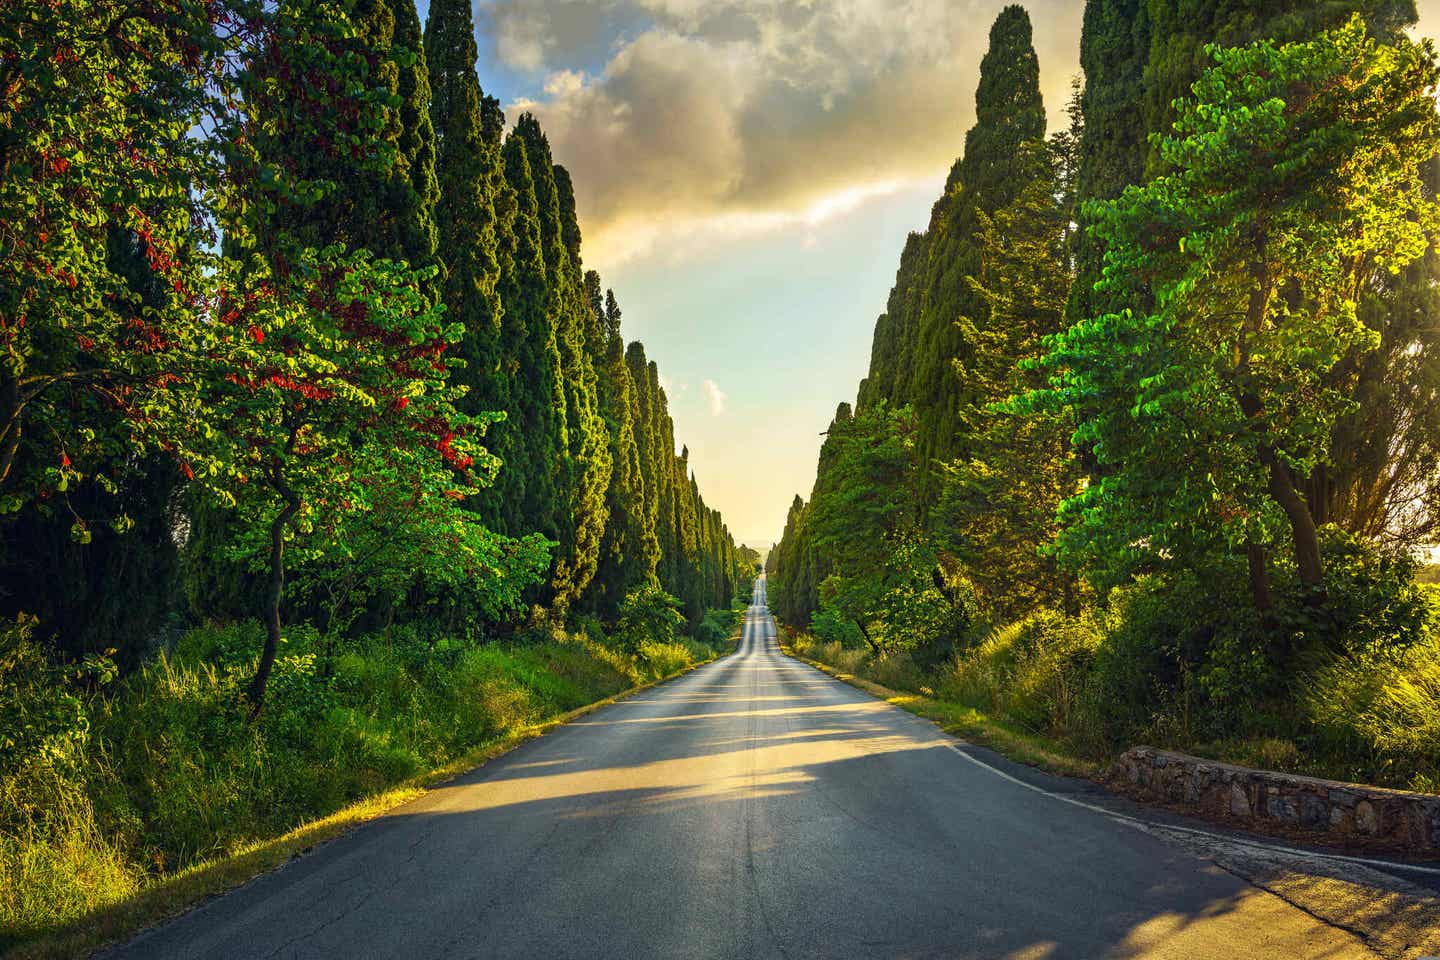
(672, 388)
(724, 117)
(715, 397)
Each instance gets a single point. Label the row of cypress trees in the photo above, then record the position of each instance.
(587, 453)
(1009, 257)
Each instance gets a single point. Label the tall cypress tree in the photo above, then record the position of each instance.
(642, 415)
(1009, 113)
(537, 403)
(892, 349)
(584, 472)
(1114, 48)
(625, 561)
(470, 181)
(417, 136)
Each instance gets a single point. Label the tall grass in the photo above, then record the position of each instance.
(1087, 687)
(164, 769)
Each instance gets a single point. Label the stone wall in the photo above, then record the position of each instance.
(1393, 819)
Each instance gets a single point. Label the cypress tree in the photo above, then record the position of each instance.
(1114, 48)
(624, 561)
(585, 472)
(537, 402)
(892, 346)
(417, 136)
(470, 182)
(1009, 113)
(642, 416)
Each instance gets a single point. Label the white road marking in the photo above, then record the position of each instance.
(1234, 841)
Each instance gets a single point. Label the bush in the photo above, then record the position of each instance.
(717, 626)
(647, 614)
(831, 626)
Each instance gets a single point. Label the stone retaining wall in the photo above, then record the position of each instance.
(1394, 819)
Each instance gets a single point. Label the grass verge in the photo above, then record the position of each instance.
(970, 724)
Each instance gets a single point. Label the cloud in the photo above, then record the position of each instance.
(715, 397)
(681, 118)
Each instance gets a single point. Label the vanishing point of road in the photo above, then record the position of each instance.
(753, 808)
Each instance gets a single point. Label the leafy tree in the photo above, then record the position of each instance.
(336, 380)
(333, 380)
(1296, 177)
(1181, 30)
(94, 368)
(1382, 479)
(647, 615)
(407, 540)
(884, 574)
(377, 196)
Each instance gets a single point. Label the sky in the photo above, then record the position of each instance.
(746, 172)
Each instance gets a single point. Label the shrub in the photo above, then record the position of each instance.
(717, 626)
(647, 614)
(829, 625)
(663, 659)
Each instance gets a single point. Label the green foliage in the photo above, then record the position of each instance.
(42, 719)
(91, 362)
(718, 626)
(830, 625)
(627, 558)
(1204, 409)
(998, 500)
(648, 615)
(1008, 114)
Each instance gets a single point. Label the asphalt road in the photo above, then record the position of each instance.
(754, 808)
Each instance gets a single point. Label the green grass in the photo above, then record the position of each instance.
(164, 792)
(1004, 734)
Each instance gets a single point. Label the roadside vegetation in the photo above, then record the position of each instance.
(324, 461)
(121, 782)
(1149, 446)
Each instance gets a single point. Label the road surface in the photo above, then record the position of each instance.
(754, 808)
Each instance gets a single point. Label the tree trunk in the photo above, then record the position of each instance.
(1302, 524)
(874, 648)
(256, 691)
(1259, 578)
